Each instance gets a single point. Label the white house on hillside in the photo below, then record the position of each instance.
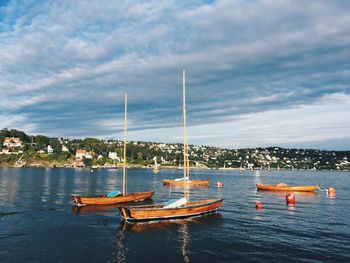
(12, 142)
(83, 153)
(113, 155)
(64, 148)
(49, 149)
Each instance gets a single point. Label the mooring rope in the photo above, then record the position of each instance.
(322, 190)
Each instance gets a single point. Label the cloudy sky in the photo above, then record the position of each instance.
(259, 73)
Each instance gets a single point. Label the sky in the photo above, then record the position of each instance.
(258, 73)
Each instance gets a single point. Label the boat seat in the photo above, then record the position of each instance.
(113, 194)
(174, 203)
(281, 184)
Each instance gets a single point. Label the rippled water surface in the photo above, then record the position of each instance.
(38, 224)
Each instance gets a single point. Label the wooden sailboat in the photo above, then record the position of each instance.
(285, 187)
(116, 197)
(186, 180)
(181, 208)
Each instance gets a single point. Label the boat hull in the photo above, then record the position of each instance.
(266, 187)
(189, 182)
(158, 212)
(104, 200)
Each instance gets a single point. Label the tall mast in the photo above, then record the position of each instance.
(124, 155)
(186, 175)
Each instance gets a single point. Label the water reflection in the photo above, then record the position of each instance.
(282, 194)
(183, 229)
(94, 209)
(119, 255)
(9, 187)
(291, 209)
(104, 209)
(184, 242)
(190, 192)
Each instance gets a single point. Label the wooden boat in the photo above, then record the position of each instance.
(159, 212)
(118, 199)
(188, 182)
(283, 187)
(173, 209)
(104, 200)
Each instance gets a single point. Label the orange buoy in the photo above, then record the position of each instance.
(290, 199)
(219, 184)
(331, 191)
(258, 205)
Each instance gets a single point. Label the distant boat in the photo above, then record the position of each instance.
(287, 188)
(227, 168)
(114, 165)
(155, 167)
(115, 197)
(173, 209)
(186, 180)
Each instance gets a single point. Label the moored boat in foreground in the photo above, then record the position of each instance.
(178, 208)
(160, 211)
(285, 187)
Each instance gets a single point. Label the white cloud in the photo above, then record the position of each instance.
(322, 121)
(245, 60)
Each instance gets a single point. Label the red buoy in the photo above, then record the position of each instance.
(219, 184)
(290, 199)
(258, 205)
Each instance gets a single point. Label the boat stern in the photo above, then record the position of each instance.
(125, 212)
(76, 199)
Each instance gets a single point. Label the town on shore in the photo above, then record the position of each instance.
(18, 149)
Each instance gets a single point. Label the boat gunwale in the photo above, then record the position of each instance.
(187, 181)
(110, 198)
(154, 207)
(134, 220)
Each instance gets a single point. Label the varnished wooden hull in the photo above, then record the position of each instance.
(288, 188)
(157, 212)
(104, 200)
(189, 182)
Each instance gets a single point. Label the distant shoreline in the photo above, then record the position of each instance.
(167, 168)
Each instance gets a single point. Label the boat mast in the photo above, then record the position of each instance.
(124, 155)
(186, 174)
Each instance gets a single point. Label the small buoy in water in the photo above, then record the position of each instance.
(219, 184)
(290, 199)
(91, 170)
(258, 205)
(331, 191)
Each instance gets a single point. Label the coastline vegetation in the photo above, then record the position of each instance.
(41, 150)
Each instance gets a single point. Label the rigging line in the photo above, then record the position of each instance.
(321, 189)
(170, 188)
